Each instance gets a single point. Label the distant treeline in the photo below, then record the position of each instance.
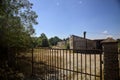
(43, 41)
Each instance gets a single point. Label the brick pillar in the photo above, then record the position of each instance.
(111, 65)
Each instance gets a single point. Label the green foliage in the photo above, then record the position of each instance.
(35, 41)
(43, 41)
(53, 41)
(16, 20)
(67, 46)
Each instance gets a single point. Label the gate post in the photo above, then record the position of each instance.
(111, 65)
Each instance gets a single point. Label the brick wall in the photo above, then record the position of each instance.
(111, 65)
(80, 43)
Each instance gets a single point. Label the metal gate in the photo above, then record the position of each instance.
(67, 64)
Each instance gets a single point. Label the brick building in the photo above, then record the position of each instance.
(77, 42)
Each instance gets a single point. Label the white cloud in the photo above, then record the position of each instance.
(105, 32)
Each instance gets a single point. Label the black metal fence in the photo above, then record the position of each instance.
(24, 64)
(67, 64)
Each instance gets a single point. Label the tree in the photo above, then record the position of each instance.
(35, 41)
(43, 41)
(53, 41)
(16, 21)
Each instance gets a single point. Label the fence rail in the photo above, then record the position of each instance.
(67, 64)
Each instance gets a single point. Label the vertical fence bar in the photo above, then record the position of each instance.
(95, 65)
(90, 66)
(53, 62)
(39, 56)
(46, 63)
(47, 73)
(32, 63)
(49, 63)
(63, 64)
(48, 66)
(57, 63)
(81, 66)
(60, 64)
(100, 65)
(73, 65)
(66, 66)
(41, 59)
(85, 65)
(57, 58)
(70, 62)
(54, 59)
(77, 65)
(43, 64)
(44, 52)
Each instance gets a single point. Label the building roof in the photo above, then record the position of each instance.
(99, 39)
(79, 37)
(109, 40)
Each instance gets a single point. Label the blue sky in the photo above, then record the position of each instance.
(62, 18)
